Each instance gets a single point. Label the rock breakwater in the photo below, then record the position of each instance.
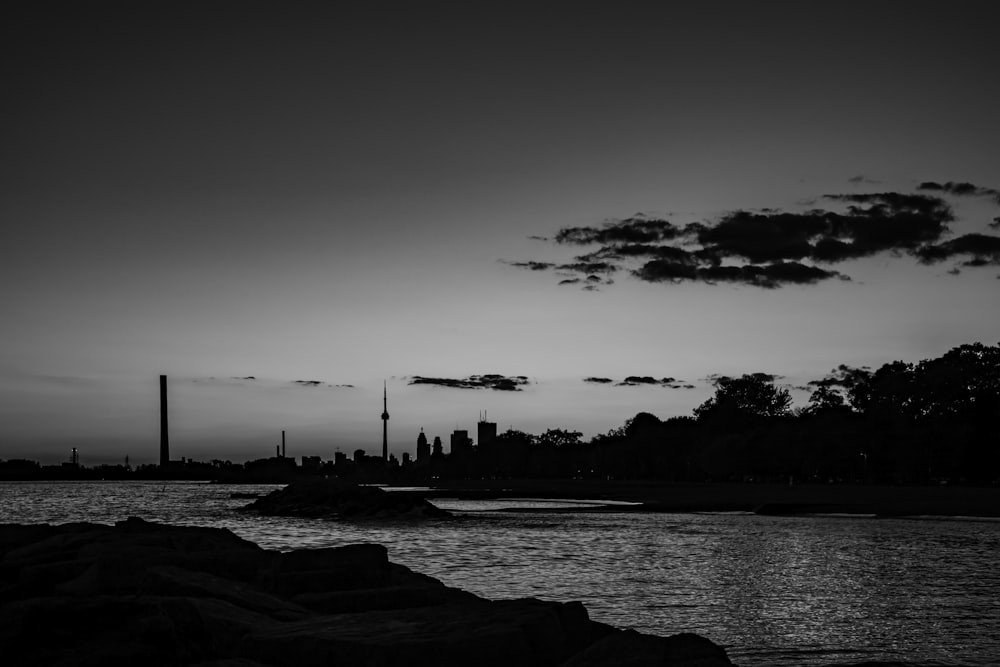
(144, 593)
(331, 499)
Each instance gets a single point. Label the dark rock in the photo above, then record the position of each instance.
(481, 632)
(151, 594)
(632, 649)
(332, 499)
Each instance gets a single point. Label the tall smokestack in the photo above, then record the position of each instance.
(282, 444)
(164, 438)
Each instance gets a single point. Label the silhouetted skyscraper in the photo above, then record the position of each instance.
(487, 432)
(164, 439)
(385, 424)
(423, 448)
(460, 443)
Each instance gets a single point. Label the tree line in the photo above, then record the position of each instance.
(935, 421)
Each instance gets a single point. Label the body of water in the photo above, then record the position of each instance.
(772, 590)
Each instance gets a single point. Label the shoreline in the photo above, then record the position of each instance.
(776, 499)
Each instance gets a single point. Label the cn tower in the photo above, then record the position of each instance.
(385, 424)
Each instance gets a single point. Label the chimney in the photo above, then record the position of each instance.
(282, 444)
(164, 439)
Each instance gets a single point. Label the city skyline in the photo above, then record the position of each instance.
(280, 207)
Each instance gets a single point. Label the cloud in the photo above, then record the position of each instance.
(589, 267)
(647, 380)
(981, 250)
(715, 378)
(862, 180)
(633, 380)
(321, 383)
(636, 229)
(488, 381)
(597, 380)
(532, 266)
(961, 189)
(248, 377)
(768, 276)
(770, 248)
(995, 224)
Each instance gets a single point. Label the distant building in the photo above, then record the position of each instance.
(423, 448)
(437, 451)
(359, 455)
(406, 458)
(460, 443)
(486, 432)
(311, 463)
(164, 436)
(339, 459)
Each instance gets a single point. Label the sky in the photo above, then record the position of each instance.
(282, 207)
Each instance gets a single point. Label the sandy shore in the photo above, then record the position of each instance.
(764, 498)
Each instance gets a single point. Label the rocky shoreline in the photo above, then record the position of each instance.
(138, 592)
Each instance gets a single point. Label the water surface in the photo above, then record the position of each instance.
(772, 590)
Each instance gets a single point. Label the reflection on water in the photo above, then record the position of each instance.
(773, 590)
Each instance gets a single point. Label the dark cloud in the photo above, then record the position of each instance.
(321, 383)
(248, 377)
(961, 189)
(488, 381)
(861, 180)
(637, 229)
(532, 266)
(640, 380)
(589, 267)
(996, 223)
(669, 253)
(597, 380)
(714, 379)
(768, 248)
(768, 276)
(763, 237)
(633, 380)
(981, 250)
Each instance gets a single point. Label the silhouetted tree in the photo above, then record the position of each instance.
(825, 399)
(749, 396)
(557, 437)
